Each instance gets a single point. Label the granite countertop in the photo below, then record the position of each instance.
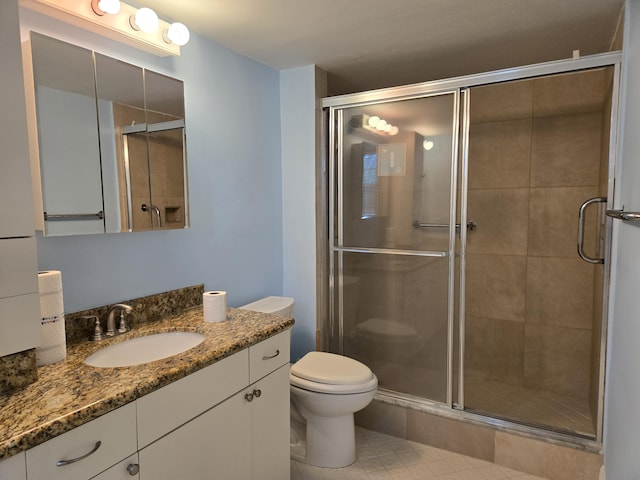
(70, 393)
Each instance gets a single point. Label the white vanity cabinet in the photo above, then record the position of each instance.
(13, 468)
(86, 451)
(270, 436)
(19, 301)
(125, 470)
(215, 445)
(244, 437)
(228, 421)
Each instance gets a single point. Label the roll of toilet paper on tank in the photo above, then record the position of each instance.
(215, 306)
(54, 344)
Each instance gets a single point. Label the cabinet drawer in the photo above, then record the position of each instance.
(19, 323)
(169, 407)
(117, 433)
(269, 355)
(120, 472)
(13, 468)
(18, 267)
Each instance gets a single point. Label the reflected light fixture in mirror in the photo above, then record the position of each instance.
(379, 125)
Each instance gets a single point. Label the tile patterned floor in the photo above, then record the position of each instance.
(384, 457)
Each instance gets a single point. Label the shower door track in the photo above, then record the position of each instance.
(420, 404)
(454, 409)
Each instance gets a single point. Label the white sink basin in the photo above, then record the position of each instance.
(144, 349)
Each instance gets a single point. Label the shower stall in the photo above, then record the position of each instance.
(468, 250)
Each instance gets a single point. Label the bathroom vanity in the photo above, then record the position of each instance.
(221, 408)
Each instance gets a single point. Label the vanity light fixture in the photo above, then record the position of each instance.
(100, 7)
(114, 19)
(427, 144)
(144, 19)
(177, 33)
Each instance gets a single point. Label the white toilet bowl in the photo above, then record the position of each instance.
(326, 390)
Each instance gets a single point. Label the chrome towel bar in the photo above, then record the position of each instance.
(470, 225)
(74, 216)
(622, 215)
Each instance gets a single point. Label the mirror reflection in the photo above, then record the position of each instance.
(127, 170)
(68, 140)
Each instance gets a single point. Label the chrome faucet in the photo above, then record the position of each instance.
(111, 319)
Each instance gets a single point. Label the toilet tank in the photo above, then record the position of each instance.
(275, 305)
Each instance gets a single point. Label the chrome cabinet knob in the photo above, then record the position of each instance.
(133, 469)
(248, 397)
(257, 393)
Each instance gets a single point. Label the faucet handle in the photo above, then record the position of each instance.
(123, 327)
(97, 334)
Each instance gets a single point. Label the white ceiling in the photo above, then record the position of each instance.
(366, 44)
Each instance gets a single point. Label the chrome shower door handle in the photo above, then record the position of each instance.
(581, 218)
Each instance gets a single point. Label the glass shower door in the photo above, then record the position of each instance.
(538, 149)
(392, 240)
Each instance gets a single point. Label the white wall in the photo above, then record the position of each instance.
(622, 414)
(233, 147)
(297, 116)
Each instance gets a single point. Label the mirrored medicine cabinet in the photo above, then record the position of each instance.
(110, 143)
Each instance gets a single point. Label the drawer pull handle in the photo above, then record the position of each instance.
(133, 469)
(269, 357)
(257, 393)
(248, 397)
(62, 463)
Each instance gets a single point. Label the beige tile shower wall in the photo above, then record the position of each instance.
(137, 147)
(167, 175)
(166, 164)
(530, 168)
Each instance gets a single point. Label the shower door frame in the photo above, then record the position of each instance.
(454, 408)
(336, 211)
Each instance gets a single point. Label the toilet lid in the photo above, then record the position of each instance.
(346, 389)
(331, 369)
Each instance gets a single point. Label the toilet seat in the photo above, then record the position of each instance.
(343, 389)
(330, 373)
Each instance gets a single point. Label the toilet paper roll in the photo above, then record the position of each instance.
(215, 306)
(50, 281)
(54, 344)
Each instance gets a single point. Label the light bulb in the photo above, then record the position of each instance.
(177, 33)
(427, 144)
(373, 121)
(100, 7)
(381, 125)
(145, 19)
(387, 128)
(394, 130)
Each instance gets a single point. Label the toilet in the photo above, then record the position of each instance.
(275, 305)
(326, 390)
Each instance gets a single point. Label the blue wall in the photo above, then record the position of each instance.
(298, 124)
(235, 184)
